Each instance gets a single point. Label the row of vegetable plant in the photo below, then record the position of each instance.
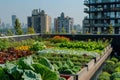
(72, 62)
(12, 50)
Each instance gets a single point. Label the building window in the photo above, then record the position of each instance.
(99, 15)
(112, 15)
(112, 0)
(118, 5)
(119, 21)
(112, 5)
(92, 1)
(112, 22)
(117, 14)
(99, 1)
(105, 6)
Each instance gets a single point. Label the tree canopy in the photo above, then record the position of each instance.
(18, 29)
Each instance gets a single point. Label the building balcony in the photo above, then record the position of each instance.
(86, 25)
(86, 10)
(87, 3)
(94, 25)
(102, 17)
(115, 9)
(99, 25)
(117, 25)
(94, 10)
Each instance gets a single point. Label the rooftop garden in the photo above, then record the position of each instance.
(43, 59)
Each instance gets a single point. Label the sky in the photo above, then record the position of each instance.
(23, 8)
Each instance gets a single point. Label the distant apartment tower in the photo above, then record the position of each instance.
(0, 21)
(77, 28)
(101, 14)
(63, 24)
(40, 21)
(13, 20)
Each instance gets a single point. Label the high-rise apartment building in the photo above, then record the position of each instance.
(0, 21)
(101, 15)
(13, 20)
(63, 24)
(40, 21)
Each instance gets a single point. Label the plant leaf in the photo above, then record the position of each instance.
(45, 72)
(30, 75)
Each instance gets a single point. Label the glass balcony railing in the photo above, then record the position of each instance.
(100, 1)
(86, 2)
(86, 9)
(117, 25)
(86, 25)
(99, 24)
(101, 9)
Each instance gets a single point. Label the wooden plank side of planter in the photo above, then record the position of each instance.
(91, 64)
(87, 75)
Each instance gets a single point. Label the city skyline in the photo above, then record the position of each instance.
(22, 9)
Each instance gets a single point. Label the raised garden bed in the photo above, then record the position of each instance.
(87, 72)
(67, 57)
(84, 62)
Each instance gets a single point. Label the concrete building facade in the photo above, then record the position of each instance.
(40, 21)
(63, 24)
(101, 15)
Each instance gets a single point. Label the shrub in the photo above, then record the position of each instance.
(117, 79)
(4, 44)
(37, 46)
(115, 75)
(110, 65)
(117, 69)
(114, 59)
(104, 76)
(59, 39)
(117, 64)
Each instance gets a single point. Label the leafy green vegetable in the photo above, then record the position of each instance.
(68, 71)
(45, 72)
(2, 74)
(30, 75)
(70, 63)
(25, 63)
(44, 61)
(61, 78)
(14, 71)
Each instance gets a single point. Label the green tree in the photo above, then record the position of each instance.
(63, 30)
(110, 29)
(9, 32)
(31, 30)
(18, 29)
(73, 31)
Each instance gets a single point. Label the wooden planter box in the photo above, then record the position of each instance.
(87, 72)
